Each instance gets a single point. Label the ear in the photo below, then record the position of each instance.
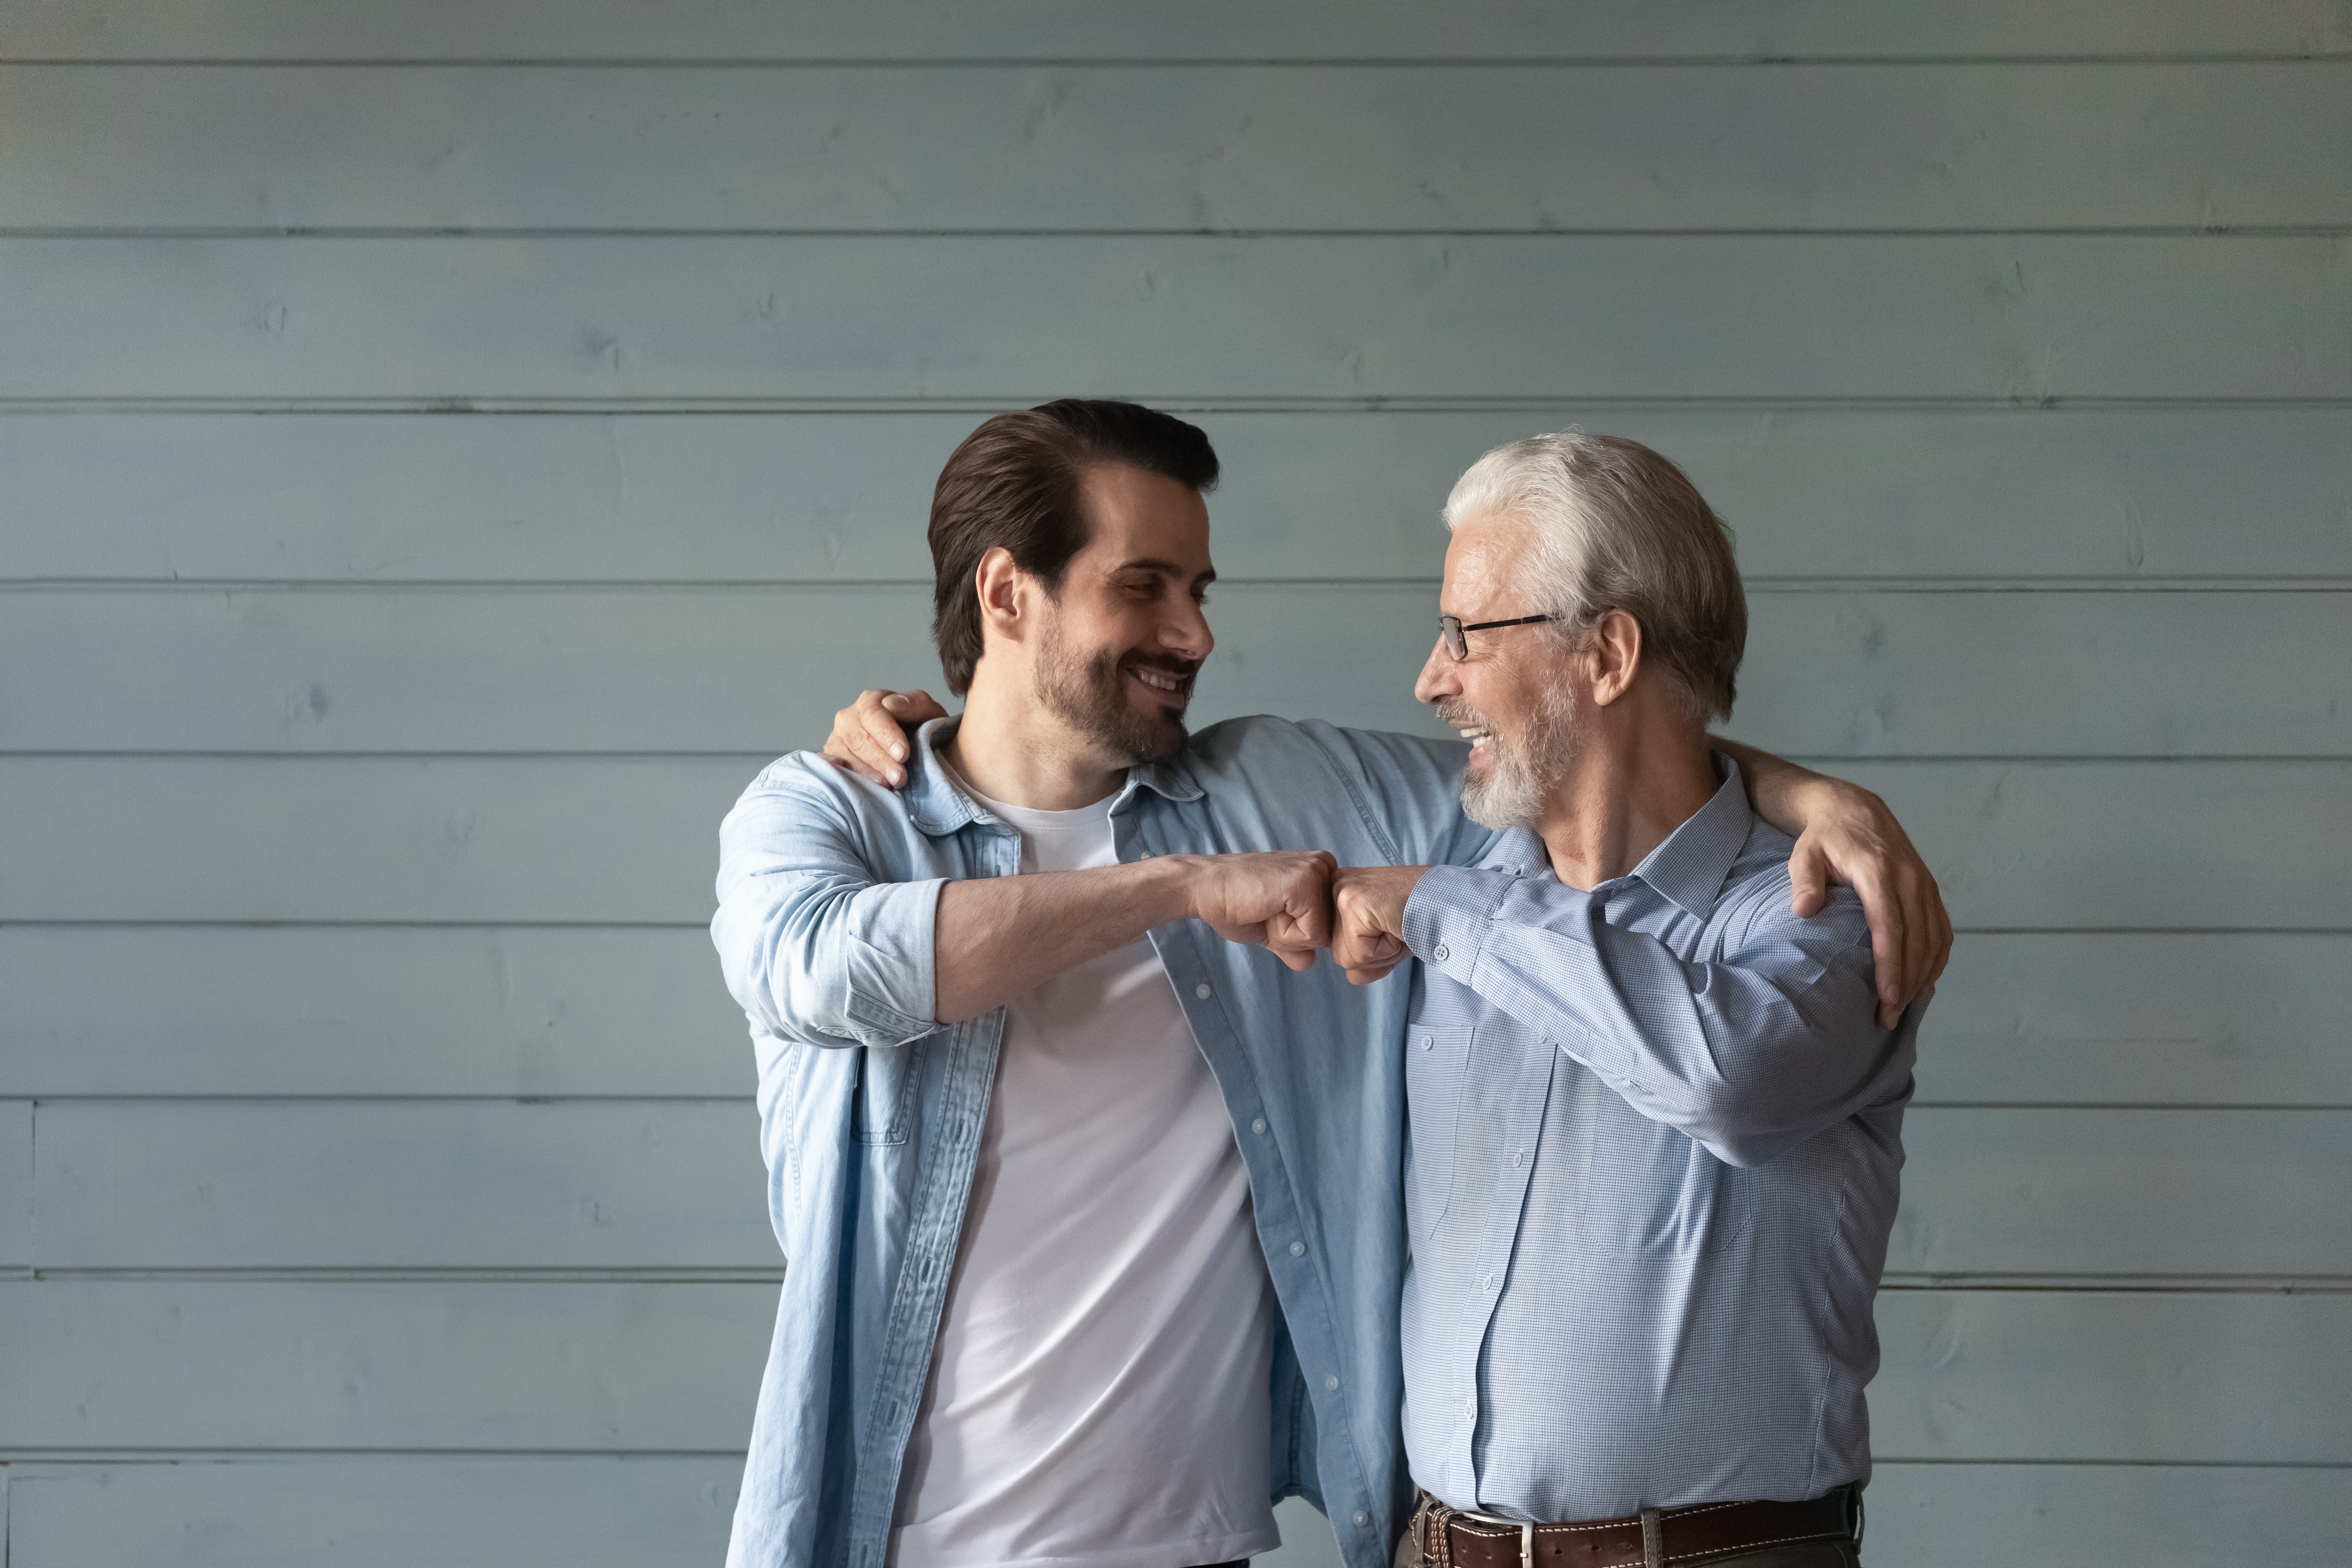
(1613, 645)
(1004, 597)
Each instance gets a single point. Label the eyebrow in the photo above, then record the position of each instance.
(1165, 568)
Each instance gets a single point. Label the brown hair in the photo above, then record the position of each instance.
(1015, 483)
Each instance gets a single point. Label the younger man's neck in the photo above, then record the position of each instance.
(1011, 748)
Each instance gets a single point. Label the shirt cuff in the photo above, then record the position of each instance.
(1448, 916)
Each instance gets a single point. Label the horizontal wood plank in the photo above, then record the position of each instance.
(2146, 1377)
(2141, 1018)
(491, 1186)
(1064, 29)
(1012, 319)
(1181, 148)
(2141, 1193)
(2017, 845)
(17, 1241)
(2105, 1516)
(642, 1512)
(177, 1010)
(588, 1368)
(160, 1364)
(1845, 494)
(636, 1512)
(1829, 674)
(402, 1186)
(2071, 1017)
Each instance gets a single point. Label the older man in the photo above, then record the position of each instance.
(1656, 1125)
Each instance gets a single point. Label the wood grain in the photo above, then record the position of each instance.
(1829, 674)
(1980, 318)
(1404, 30)
(1919, 493)
(1185, 148)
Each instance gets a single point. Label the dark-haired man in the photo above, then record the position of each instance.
(1092, 1206)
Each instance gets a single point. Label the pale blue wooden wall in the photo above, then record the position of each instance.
(446, 448)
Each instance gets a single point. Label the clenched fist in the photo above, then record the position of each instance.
(1368, 906)
(1281, 899)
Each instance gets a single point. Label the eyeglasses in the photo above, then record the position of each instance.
(1452, 628)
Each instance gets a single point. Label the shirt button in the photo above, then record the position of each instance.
(1297, 1249)
(1519, 1158)
(1469, 1410)
(1486, 1283)
(1258, 1126)
(1202, 992)
(1439, 953)
(1427, 1041)
(1363, 1519)
(1331, 1384)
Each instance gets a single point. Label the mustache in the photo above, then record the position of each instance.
(1462, 716)
(1184, 669)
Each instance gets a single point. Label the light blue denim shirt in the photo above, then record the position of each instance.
(871, 1112)
(1655, 1138)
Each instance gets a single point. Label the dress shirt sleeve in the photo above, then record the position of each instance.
(817, 945)
(1747, 1056)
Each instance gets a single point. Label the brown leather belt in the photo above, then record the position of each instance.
(1682, 1537)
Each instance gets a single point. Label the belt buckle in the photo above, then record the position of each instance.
(1526, 1528)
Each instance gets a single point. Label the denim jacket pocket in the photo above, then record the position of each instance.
(883, 1110)
(1435, 1063)
(1651, 1191)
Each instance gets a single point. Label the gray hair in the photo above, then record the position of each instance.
(1618, 527)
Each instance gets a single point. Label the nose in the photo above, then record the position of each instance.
(1438, 678)
(1184, 631)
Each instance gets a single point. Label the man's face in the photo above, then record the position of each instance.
(1119, 647)
(1513, 696)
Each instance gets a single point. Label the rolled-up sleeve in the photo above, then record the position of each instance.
(1747, 1056)
(816, 944)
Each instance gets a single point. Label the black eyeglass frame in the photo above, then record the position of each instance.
(1451, 628)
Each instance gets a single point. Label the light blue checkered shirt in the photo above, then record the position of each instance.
(1655, 1141)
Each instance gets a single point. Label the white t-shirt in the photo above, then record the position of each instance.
(1097, 1393)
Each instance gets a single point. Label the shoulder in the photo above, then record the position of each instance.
(1756, 894)
(802, 786)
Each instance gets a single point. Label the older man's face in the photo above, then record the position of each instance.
(1512, 698)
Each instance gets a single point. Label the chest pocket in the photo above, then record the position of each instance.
(887, 1078)
(1650, 1192)
(1436, 1061)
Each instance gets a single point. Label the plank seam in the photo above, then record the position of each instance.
(687, 405)
(1789, 584)
(748, 231)
(1170, 62)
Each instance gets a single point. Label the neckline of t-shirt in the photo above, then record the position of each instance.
(1030, 819)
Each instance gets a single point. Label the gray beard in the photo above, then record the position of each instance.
(1519, 778)
(1090, 696)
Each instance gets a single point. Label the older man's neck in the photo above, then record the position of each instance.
(1631, 784)
(1013, 749)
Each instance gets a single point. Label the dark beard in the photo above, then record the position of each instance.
(1090, 696)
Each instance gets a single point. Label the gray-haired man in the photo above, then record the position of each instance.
(1656, 1125)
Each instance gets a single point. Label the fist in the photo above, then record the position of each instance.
(1368, 919)
(1280, 901)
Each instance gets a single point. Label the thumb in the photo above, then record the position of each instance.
(1808, 881)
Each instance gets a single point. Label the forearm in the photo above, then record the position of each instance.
(1781, 793)
(998, 937)
(1743, 1058)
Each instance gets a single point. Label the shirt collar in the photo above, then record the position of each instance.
(937, 806)
(1690, 867)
